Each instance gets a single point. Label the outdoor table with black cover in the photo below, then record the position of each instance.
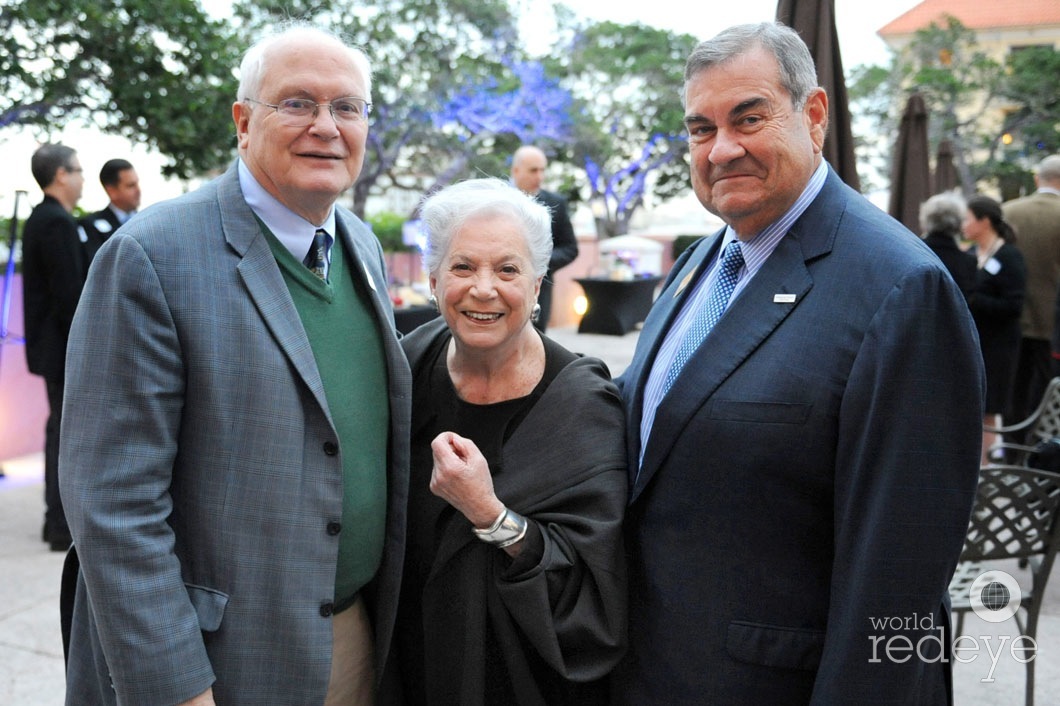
(616, 306)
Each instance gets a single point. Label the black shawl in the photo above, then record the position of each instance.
(563, 620)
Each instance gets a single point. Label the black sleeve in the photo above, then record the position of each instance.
(564, 243)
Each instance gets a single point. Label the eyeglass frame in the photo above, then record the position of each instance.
(316, 109)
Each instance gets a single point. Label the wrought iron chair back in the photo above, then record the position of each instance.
(1016, 516)
(1042, 425)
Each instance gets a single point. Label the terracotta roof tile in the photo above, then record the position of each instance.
(976, 14)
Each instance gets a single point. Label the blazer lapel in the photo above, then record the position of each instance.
(669, 302)
(778, 287)
(360, 258)
(265, 283)
(776, 290)
(748, 321)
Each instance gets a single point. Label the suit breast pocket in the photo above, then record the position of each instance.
(760, 412)
(775, 646)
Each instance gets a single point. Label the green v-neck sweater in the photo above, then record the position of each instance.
(343, 332)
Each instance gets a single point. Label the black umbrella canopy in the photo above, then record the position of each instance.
(910, 172)
(814, 20)
(946, 177)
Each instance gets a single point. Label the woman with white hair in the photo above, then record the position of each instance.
(940, 227)
(514, 585)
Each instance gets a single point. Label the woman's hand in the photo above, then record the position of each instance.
(462, 478)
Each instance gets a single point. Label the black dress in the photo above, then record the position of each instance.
(996, 304)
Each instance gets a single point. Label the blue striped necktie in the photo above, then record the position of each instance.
(717, 300)
(317, 257)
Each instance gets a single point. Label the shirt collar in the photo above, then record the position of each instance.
(759, 248)
(295, 232)
(122, 215)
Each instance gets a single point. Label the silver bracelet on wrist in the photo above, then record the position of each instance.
(506, 530)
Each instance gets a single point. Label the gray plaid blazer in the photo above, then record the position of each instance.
(198, 465)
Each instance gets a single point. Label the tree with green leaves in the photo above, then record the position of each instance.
(629, 124)
(1032, 131)
(158, 72)
(962, 87)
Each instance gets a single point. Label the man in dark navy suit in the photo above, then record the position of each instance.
(528, 172)
(802, 473)
(53, 273)
(123, 189)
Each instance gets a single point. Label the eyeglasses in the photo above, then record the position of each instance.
(73, 169)
(299, 112)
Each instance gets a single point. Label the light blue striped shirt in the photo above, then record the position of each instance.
(755, 252)
(295, 232)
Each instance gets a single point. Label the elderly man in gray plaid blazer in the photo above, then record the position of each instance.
(235, 453)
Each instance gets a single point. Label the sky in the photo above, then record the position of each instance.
(856, 20)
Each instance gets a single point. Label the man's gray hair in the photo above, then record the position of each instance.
(445, 211)
(797, 73)
(252, 68)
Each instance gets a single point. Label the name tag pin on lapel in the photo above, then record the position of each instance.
(684, 283)
(371, 282)
(783, 298)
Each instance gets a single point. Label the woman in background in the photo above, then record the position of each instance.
(941, 217)
(996, 303)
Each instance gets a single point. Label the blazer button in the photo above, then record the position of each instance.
(331, 448)
(334, 528)
(326, 609)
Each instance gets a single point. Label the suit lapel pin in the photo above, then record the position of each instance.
(783, 298)
(684, 283)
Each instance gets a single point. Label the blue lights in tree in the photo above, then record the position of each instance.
(621, 193)
(538, 109)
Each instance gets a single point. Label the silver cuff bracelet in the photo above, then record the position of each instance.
(506, 530)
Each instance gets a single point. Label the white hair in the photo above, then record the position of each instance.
(445, 211)
(252, 68)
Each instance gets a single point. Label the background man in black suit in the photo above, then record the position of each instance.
(53, 272)
(528, 171)
(123, 188)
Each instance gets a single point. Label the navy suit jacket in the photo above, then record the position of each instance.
(810, 472)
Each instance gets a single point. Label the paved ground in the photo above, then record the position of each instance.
(31, 660)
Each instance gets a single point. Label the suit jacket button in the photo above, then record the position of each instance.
(334, 528)
(326, 609)
(331, 448)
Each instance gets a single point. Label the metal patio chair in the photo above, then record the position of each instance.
(1042, 425)
(1015, 517)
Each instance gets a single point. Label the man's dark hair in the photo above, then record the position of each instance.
(47, 160)
(110, 174)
